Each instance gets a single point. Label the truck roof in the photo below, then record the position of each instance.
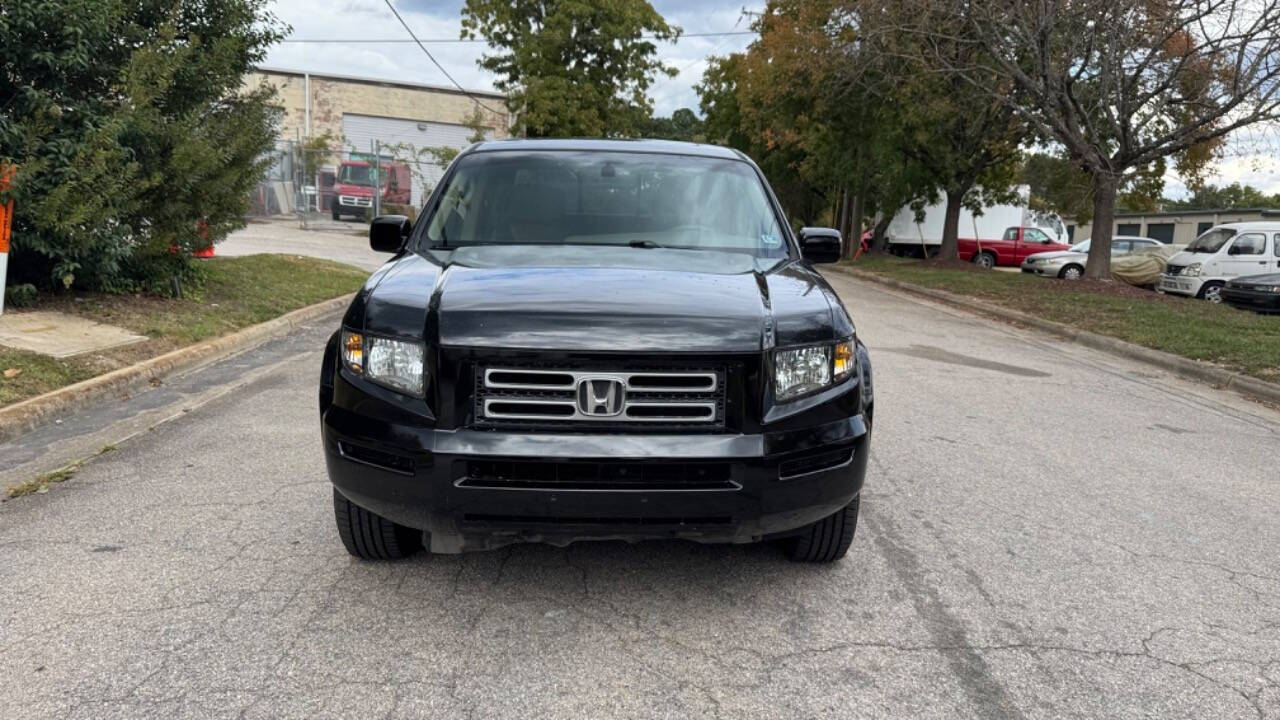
(1267, 225)
(666, 147)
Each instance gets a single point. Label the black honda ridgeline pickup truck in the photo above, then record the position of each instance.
(596, 340)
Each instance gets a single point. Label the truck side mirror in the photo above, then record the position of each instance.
(820, 245)
(388, 233)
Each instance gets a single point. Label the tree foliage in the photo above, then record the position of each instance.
(683, 125)
(1124, 85)
(571, 68)
(834, 101)
(1228, 197)
(132, 133)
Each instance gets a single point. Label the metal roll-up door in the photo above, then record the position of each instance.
(360, 131)
(1160, 231)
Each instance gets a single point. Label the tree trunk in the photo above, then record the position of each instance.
(846, 202)
(1098, 266)
(855, 223)
(878, 239)
(950, 249)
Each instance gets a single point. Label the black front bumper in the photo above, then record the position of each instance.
(1251, 299)
(575, 486)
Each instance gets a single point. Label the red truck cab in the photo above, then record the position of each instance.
(353, 189)
(1011, 249)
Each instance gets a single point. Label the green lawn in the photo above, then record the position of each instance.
(238, 292)
(1236, 339)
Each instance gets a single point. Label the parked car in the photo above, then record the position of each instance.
(1260, 293)
(1221, 254)
(1012, 248)
(1069, 263)
(355, 183)
(587, 339)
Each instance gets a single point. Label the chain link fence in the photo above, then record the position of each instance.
(341, 188)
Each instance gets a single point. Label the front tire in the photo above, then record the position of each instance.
(826, 540)
(337, 216)
(1212, 291)
(1071, 272)
(369, 536)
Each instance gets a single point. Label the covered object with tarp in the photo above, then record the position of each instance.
(1143, 268)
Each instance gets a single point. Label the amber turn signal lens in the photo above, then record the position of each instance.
(353, 351)
(843, 361)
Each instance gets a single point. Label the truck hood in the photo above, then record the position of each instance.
(1054, 255)
(354, 190)
(599, 299)
(1186, 258)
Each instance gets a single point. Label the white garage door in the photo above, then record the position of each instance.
(361, 130)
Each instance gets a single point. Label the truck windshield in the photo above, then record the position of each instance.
(641, 200)
(359, 175)
(1212, 241)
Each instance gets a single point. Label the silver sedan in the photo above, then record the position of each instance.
(1069, 264)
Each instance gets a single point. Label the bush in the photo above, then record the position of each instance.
(21, 295)
(132, 131)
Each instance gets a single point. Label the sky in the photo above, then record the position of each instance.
(1249, 161)
(370, 19)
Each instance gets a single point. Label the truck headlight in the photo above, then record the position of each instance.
(396, 364)
(800, 371)
(1192, 270)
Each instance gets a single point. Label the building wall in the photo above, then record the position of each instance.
(1186, 225)
(331, 97)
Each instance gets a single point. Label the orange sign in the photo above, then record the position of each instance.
(6, 210)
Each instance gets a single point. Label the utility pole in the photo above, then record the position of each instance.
(377, 178)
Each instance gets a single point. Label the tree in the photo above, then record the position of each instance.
(133, 133)
(683, 125)
(718, 100)
(572, 68)
(1122, 84)
(1229, 197)
(967, 142)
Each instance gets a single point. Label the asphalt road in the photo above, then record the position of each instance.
(1047, 532)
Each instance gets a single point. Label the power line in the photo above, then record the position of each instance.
(439, 67)
(464, 41)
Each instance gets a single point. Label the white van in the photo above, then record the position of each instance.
(1220, 254)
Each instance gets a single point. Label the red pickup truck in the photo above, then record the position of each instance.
(1011, 249)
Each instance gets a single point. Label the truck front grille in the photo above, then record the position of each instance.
(641, 397)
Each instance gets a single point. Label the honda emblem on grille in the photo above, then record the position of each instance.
(600, 397)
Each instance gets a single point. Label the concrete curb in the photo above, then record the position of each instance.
(1253, 388)
(32, 412)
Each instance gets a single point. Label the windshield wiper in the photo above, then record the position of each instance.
(647, 244)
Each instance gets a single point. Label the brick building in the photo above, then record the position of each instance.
(360, 111)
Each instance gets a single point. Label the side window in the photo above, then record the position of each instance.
(1249, 244)
(1010, 235)
(1119, 247)
(1036, 236)
(1275, 241)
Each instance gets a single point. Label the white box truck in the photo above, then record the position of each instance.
(905, 236)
